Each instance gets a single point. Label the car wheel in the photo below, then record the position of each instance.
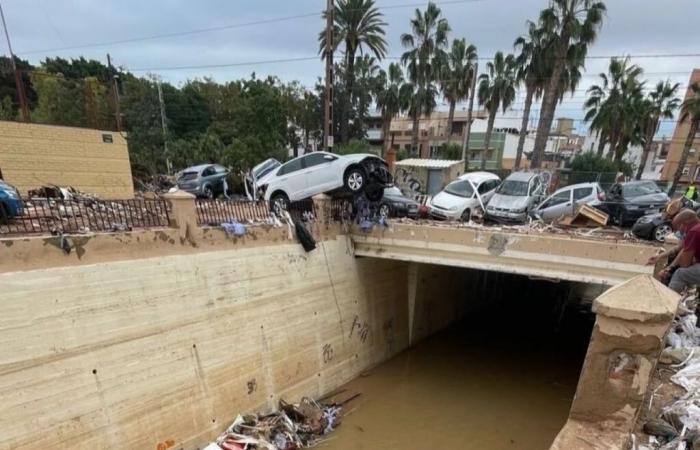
(355, 180)
(375, 196)
(279, 203)
(384, 210)
(466, 215)
(208, 192)
(662, 231)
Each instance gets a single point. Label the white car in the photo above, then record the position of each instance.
(565, 201)
(459, 200)
(320, 172)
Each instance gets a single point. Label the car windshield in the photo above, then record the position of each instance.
(460, 188)
(639, 189)
(265, 168)
(393, 191)
(513, 188)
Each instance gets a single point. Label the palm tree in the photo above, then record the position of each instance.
(457, 76)
(690, 110)
(496, 91)
(357, 24)
(424, 58)
(575, 24)
(367, 77)
(614, 107)
(393, 96)
(661, 103)
(531, 72)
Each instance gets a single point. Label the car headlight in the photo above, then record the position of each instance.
(490, 208)
(644, 219)
(455, 208)
(519, 211)
(632, 207)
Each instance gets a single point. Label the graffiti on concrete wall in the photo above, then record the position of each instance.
(408, 181)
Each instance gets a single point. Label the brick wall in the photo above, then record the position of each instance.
(32, 155)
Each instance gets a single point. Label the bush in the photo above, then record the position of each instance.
(354, 146)
(591, 162)
(449, 151)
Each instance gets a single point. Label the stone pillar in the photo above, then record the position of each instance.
(632, 320)
(390, 158)
(183, 214)
(322, 207)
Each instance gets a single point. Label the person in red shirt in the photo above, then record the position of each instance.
(684, 271)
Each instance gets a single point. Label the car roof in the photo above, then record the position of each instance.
(580, 185)
(198, 168)
(521, 176)
(478, 177)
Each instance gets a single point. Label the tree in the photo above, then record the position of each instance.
(7, 109)
(690, 111)
(574, 25)
(661, 104)
(424, 59)
(615, 107)
(367, 78)
(393, 96)
(357, 24)
(496, 91)
(531, 71)
(457, 76)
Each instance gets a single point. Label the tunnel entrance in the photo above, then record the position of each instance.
(501, 377)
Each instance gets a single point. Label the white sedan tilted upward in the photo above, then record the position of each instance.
(319, 172)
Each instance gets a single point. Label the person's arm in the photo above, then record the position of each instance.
(665, 254)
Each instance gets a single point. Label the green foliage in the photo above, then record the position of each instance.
(354, 146)
(591, 162)
(449, 151)
(7, 110)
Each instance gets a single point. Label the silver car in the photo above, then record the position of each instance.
(565, 201)
(205, 180)
(516, 197)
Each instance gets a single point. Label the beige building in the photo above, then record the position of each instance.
(691, 171)
(91, 161)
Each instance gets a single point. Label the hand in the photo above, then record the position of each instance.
(665, 274)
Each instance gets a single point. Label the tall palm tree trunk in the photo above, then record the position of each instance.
(645, 152)
(347, 104)
(451, 119)
(386, 128)
(487, 139)
(523, 127)
(414, 139)
(621, 149)
(614, 140)
(684, 156)
(601, 145)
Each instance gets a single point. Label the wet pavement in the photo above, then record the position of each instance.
(503, 379)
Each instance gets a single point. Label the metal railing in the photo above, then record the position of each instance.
(56, 216)
(216, 212)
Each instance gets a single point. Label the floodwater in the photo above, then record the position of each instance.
(501, 379)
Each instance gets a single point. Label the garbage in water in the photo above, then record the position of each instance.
(234, 228)
(293, 426)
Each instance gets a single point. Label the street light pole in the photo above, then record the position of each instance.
(328, 107)
(18, 79)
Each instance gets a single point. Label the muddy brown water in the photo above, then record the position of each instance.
(501, 379)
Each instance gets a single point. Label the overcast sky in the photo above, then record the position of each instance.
(635, 27)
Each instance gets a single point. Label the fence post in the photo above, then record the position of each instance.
(322, 204)
(183, 213)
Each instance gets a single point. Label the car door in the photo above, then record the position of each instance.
(209, 178)
(536, 191)
(318, 173)
(486, 190)
(557, 205)
(614, 201)
(291, 179)
(220, 173)
(584, 195)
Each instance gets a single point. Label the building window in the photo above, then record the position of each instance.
(686, 171)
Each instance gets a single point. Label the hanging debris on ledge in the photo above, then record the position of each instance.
(294, 426)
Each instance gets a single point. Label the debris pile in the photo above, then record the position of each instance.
(157, 183)
(676, 425)
(294, 426)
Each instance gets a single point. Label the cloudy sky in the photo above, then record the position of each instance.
(71, 28)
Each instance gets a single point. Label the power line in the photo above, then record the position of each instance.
(316, 14)
(215, 66)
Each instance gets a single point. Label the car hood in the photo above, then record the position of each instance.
(659, 198)
(357, 157)
(509, 202)
(445, 200)
(400, 199)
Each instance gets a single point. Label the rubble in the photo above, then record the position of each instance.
(292, 427)
(673, 416)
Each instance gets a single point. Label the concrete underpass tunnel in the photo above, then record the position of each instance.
(508, 346)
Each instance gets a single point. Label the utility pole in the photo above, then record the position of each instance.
(164, 127)
(18, 78)
(468, 132)
(328, 107)
(115, 94)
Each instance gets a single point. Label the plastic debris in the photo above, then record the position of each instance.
(234, 228)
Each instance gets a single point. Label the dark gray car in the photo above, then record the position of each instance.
(205, 180)
(627, 202)
(395, 204)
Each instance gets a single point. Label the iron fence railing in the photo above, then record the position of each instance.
(216, 212)
(55, 216)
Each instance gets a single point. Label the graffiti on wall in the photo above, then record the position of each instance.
(406, 180)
